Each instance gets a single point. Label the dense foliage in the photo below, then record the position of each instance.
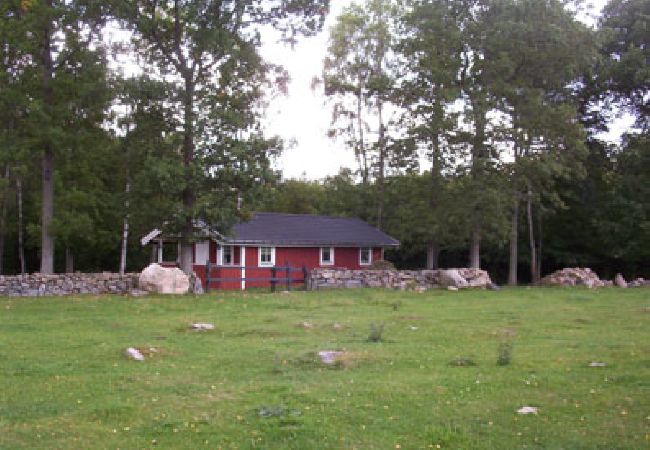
(477, 127)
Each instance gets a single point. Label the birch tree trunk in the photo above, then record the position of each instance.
(361, 149)
(531, 237)
(514, 237)
(3, 219)
(382, 166)
(21, 245)
(125, 231)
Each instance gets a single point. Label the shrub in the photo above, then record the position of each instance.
(504, 355)
(376, 332)
(462, 361)
(382, 264)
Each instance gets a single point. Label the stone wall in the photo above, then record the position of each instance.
(37, 285)
(395, 279)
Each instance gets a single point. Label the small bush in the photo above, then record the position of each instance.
(382, 264)
(462, 361)
(396, 305)
(504, 355)
(376, 332)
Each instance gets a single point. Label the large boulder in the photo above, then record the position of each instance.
(451, 277)
(164, 280)
(476, 278)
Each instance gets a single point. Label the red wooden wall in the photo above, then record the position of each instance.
(297, 257)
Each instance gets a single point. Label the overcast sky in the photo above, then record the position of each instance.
(303, 116)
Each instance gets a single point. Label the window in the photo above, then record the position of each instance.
(201, 252)
(266, 256)
(227, 252)
(365, 256)
(327, 256)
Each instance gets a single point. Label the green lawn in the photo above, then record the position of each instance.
(254, 382)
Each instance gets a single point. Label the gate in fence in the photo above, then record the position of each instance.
(240, 277)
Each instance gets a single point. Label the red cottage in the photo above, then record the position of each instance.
(271, 240)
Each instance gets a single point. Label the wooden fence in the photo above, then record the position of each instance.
(277, 276)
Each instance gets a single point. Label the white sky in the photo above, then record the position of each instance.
(303, 116)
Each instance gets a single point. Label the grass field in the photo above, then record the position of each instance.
(256, 381)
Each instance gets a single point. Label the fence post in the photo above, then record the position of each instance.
(305, 276)
(273, 274)
(288, 276)
(207, 276)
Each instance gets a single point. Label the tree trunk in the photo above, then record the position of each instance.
(531, 237)
(3, 219)
(539, 247)
(69, 260)
(361, 148)
(433, 253)
(382, 167)
(478, 170)
(475, 249)
(21, 244)
(189, 195)
(514, 237)
(47, 210)
(125, 231)
(433, 248)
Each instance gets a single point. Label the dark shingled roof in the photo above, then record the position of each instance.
(303, 229)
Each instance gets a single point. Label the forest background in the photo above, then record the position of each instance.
(475, 125)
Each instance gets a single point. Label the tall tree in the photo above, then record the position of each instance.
(60, 53)
(624, 78)
(208, 53)
(431, 42)
(359, 74)
(538, 50)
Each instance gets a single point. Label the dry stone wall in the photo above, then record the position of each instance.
(37, 285)
(398, 279)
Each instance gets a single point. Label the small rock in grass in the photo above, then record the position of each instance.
(330, 356)
(597, 364)
(306, 325)
(202, 326)
(137, 293)
(528, 410)
(134, 353)
(452, 288)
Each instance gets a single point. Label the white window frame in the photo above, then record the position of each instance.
(326, 263)
(261, 263)
(232, 255)
(361, 263)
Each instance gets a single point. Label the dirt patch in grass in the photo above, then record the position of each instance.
(505, 332)
(343, 360)
(150, 351)
(306, 325)
(409, 318)
(259, 333)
